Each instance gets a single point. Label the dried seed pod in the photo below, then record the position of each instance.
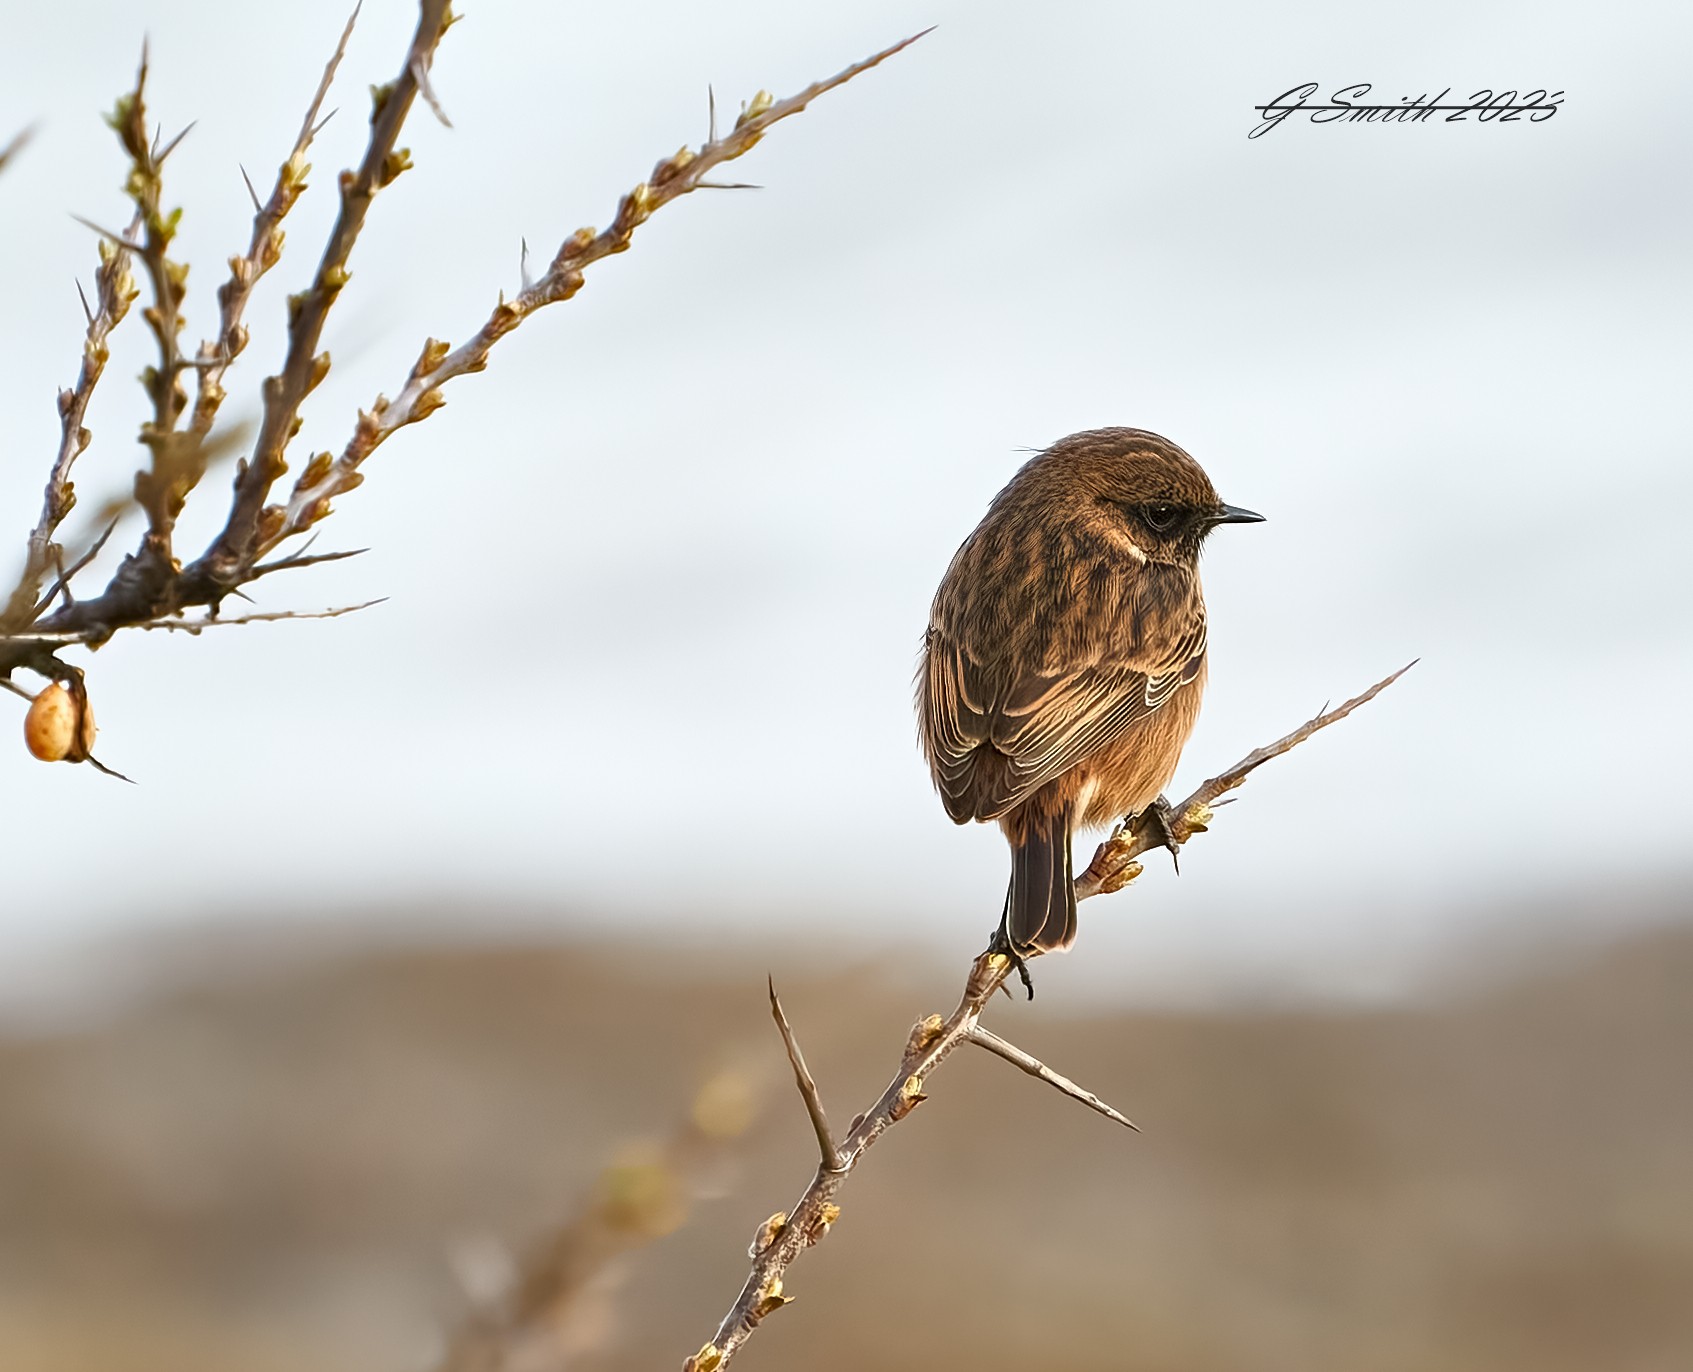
(60, 724)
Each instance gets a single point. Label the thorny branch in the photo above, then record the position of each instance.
(160, 491)
(786, 1235)
(263, 252)
(1114, 866)
(114, 292)
(182, 625)
(251, 524)
(151, 586)
(676, 176)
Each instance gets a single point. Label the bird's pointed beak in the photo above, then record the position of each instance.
(1233, 514)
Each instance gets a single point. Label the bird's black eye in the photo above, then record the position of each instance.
(1160, 518)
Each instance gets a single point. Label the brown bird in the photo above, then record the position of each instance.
(1065, 657)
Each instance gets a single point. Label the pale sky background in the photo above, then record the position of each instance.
(657, 578)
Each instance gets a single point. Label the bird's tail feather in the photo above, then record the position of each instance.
(1040, 907)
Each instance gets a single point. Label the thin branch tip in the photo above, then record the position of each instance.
(826, 1146)
(1028, 1062)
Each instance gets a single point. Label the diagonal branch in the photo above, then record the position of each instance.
(250, 526)
(1114, 865)
(932, 1041)
(62, 582)
(161, 489)
(114, 292)
(264, 251)
(420, 397)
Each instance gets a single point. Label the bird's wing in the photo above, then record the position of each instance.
(992, 742)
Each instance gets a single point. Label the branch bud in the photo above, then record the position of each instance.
(910, 1097)
(770, 1300)
(392, 165)
(708, 1359)
(672, 167)
(294, 173)
(434, 352)
(758, 105)
(923, 1033)
(826, 1216)
(767, 1234)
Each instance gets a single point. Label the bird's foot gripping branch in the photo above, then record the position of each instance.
(787, 1234)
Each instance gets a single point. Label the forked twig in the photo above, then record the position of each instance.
(149, 587)
(62, 581)
(438, 364)
(114, 292)
(251, 528)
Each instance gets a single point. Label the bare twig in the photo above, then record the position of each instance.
(932, 1041)
(251, 528)
(288, 564)
(807, 1087)
(420, 397)
(180, 625)
(62, 582)
(1028, 1062)
(114, 292)
(194, 626)
(420, 74)
(264, 251)
(160, 490)
(1114, 866)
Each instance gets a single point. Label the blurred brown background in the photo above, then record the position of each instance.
(283, 1157)
(1396, 1118)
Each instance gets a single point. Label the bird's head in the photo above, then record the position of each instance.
(1143, 488)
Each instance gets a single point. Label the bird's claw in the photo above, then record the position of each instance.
(1160, 818)
(1002, 944)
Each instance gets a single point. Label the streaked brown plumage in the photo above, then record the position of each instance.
(1065, 656)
